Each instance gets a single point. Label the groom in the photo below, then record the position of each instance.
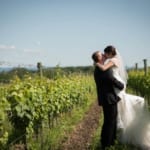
(105, 83)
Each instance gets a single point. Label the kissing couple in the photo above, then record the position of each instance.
(122, 111)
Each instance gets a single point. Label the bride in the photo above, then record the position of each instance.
(133, 117)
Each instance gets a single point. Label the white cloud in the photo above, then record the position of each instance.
(7, 47)
(27, 50)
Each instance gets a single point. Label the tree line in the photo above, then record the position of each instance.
(49, 72)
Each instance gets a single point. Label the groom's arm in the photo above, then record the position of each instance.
(117, 84)
(113, 80)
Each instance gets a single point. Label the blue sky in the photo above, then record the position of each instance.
(67, 32)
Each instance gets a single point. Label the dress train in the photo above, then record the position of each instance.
(134, 121)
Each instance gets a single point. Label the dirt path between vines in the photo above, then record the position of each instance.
(81, 136)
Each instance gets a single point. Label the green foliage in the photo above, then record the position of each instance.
(36, 103)
(49, 72)
(4, 109)
(6, 77)
(140, 83)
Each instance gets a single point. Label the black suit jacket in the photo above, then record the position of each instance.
(105, 83)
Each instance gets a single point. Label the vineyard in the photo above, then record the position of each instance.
(140, 83)
(30, 105)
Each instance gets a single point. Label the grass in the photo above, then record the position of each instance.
(95, 145)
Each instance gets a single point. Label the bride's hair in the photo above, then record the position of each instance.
(110, 50)
(122, 70)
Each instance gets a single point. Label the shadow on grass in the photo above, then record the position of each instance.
(117, 146)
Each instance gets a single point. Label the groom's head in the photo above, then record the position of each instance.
(97, 56)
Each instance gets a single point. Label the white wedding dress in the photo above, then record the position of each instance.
(133, 116)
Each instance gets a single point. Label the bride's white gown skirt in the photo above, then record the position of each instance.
(133, 121)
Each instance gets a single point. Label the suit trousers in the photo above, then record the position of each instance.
(108, 134)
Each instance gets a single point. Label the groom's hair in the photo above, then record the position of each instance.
(94, 56)
(110, 50)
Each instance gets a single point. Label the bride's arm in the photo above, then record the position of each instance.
(105, 66)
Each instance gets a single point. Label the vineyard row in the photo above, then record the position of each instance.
(33, 103)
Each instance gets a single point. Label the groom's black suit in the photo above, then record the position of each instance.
(105, 83)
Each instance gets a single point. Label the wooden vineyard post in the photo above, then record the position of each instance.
(136, 66)
(145, 66)
(39, 66)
